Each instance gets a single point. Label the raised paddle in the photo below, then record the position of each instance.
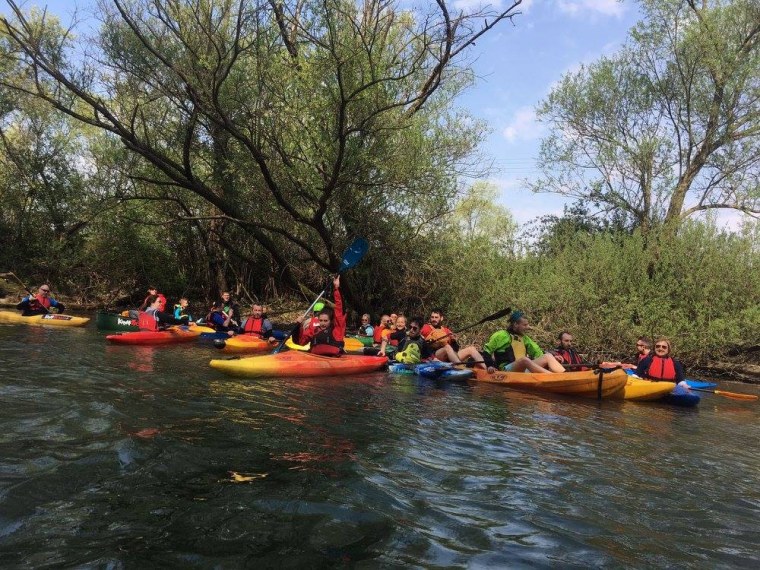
(28, 290)
(351, 256)
(732, 395)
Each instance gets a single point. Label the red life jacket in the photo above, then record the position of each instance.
(254, 326)
(568, 356)
(38, 301)
(147, 322)
(662, 368)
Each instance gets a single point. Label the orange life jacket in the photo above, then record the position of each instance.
(662, 368)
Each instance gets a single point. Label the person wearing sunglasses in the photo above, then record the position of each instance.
(39, 304)
(660, 364)
(382, 330)
(366, 329)
(412, 349)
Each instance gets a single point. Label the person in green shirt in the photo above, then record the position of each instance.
(512, 350)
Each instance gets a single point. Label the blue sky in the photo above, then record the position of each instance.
(516, 65)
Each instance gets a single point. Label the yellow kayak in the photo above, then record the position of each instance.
(349, 344)
(640, 390)
(50, 319)
(584, 383)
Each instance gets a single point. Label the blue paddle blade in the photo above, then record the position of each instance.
(353, 254)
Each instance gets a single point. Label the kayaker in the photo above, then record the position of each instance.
(382, 330)
(154, 310)
(153, 292)
(366, 329)
(40, 303)
(643, 348)
(661, 365)
(327, 340)
(313, 323)
(257, 324)
(512, 350)
(397, 335)
(224, 314)
(437, 334)
(565, 353)
(412, 349)
(443, 342)
(180, 311)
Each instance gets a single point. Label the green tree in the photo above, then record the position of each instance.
(670, 125)
(296, 124)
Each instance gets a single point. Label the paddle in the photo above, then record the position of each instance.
(351, 256)
(497, 315)
(28, 290)
(732, 395)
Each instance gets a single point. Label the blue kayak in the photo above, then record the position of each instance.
(434, 370)
(681, 397)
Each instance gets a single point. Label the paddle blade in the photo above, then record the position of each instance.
(353, 254)
(497, 315)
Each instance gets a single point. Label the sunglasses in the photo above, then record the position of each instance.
(661, 346)
(45, 290)
(414, 328)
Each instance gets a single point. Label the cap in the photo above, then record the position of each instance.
(318, 306)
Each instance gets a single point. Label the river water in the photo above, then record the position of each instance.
(126, 457)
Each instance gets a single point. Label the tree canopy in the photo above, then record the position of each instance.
(670, 125)
(274, 127)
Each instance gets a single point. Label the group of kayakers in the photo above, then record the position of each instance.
(408, 340)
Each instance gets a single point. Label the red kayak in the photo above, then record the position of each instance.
(172, 335)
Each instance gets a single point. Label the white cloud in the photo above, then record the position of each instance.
(587, 7)
(523, 126)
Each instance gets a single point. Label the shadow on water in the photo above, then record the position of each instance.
(144, 457)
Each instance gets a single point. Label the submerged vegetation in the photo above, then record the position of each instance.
(212, 144)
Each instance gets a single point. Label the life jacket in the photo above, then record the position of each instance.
(325, 336)
(147, 322)
(182, 312)
(380, 332)
(37, 302)
(254, 326)
(569, 356)
(436, 337)
(363, 329)
(662, 368)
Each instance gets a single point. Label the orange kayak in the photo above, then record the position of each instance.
(297, 364)
(584, 384)
(246, 343)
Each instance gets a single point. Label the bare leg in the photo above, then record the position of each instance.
(548, 361)
(447, 354)
(525, 363)
(471, 352)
